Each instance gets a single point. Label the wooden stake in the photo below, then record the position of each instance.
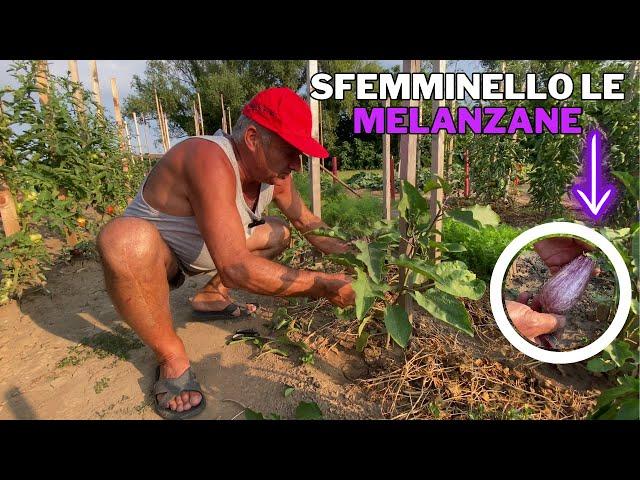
(126, 131)
(467, 185)
(224, 117)
(8, 213)
(200, 115)
(166, 128)
(408, 159)
(144, 134)
(314, 163)
(196, 123)
(77, 92)
(387, 171)
(159, 111)
(229, 124)
(135, 121)
(116, 112)
(95, 86)
(437, 164)
(42, 80)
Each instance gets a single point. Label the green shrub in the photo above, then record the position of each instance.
(483, 246)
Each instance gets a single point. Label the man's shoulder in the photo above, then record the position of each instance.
(201, 157)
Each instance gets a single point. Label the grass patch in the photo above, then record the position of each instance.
(101, 385)
(102, 345)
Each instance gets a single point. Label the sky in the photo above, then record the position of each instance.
(124, 70)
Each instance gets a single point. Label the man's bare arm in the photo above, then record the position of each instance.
(211, 185)
(290, 203)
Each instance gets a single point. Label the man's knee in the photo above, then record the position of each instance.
(281, 233)
(128, 241)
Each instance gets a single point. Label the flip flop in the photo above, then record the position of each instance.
(225, 314)
(172, 387)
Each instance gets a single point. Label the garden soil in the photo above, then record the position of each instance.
(67, 355)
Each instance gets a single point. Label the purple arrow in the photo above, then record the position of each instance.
(600, 193)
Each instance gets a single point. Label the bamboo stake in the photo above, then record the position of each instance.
(314, 163)
(116, 111)
(195, 120)
(224, 118)
(387, 170)
(159, 111)
(201, 117)
(77, 93)
(229, 120)
(126, 130)
(408, 159)
(42, 81)
(135, 121)
(144, 134)
(437, 160)
(8, 213)
(165, 140)
(95, 86)
(166, 128)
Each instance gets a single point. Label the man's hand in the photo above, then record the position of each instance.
(557, 252)
(532, 324)
(340, 292)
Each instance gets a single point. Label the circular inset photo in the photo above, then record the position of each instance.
(560, 293)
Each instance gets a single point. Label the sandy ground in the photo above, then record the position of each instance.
(52, 366)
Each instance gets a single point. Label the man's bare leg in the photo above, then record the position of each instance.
(137, 264)
(269, 241)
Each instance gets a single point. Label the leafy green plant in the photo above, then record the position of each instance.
(482, 247)
(437, 287)
(66, 171)
(621, 359)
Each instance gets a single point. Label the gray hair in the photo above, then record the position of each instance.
(241, 126)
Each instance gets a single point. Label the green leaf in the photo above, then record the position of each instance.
(411, 202)
(325, 232)
(365, 295)
(629, 409)
(619, 352)
(630, 182)
(418, 266)
(456, 280)
(361, 342)
(628, 385)
(476, 217)
(345, 259)
(251, 415)
(397, 322)
(446, 308)
(363, 324)
(288, 391)
(600, 365)
(464, 216)
(372, 255)
(308, 411)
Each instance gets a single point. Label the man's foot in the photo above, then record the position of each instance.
(216, 302)
(187, 399)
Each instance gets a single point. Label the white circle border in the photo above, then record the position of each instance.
(509, 253)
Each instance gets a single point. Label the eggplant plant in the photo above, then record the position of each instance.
(436, 287)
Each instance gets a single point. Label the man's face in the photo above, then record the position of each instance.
(278, 159)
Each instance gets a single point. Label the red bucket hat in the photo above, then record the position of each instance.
(282, 111)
